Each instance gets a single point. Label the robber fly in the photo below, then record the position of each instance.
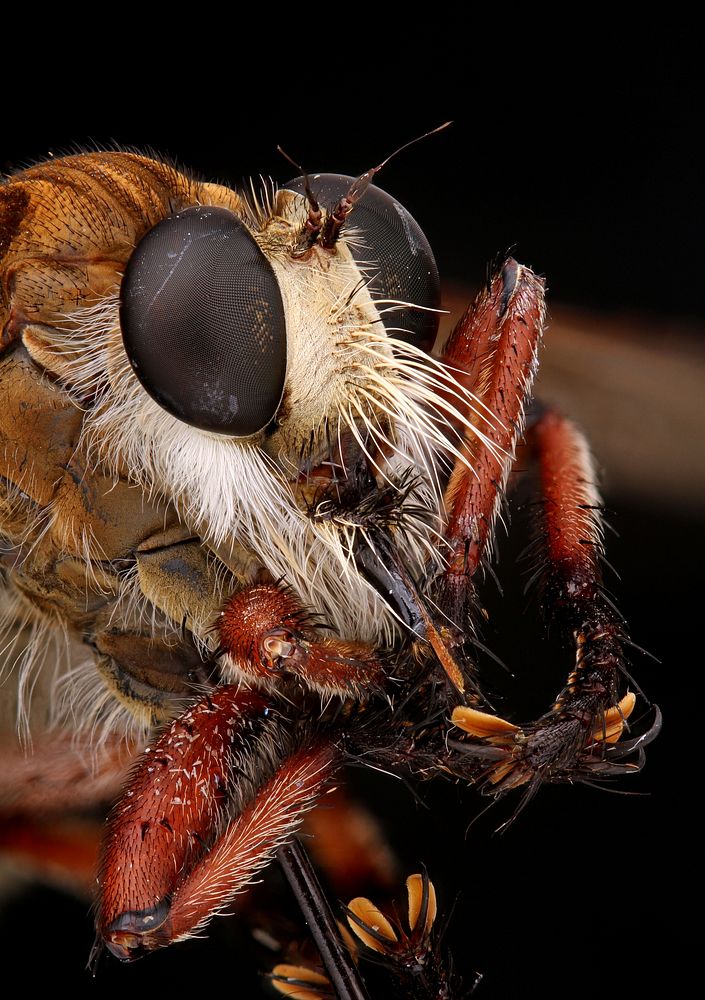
(242, 501)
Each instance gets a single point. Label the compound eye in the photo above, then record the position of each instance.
(203, 322)
(390, 246)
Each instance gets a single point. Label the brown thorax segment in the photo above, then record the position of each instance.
(68, 227)
(83, 546)
(92, 553)
(83, 549)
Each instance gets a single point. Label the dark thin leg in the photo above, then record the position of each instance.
(569, 555)
(575, 738)
(338, 964)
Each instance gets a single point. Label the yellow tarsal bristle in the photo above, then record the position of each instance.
(610, 727)
(366, 911)
(414, 888)
(280, 973)
(481, 723)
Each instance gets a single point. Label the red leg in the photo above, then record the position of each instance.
(251, 841)
(59, 774)
(496, 345)
(218, 793)
(170, 806)
(349, 844)
(49, 806)
(197, 821)
(267, 633)
(61, 851)
(571, 738)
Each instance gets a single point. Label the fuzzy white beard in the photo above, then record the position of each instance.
(231, 492)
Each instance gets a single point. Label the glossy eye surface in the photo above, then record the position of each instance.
(389, 243)
(203, 322)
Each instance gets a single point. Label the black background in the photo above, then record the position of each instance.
(598, 185)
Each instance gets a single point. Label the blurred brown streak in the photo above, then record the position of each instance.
(637, 388)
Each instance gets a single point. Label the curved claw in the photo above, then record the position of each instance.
(627, 746)
(555, 749)
(605, 765)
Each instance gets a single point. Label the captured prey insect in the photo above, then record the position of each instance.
(242, 515)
